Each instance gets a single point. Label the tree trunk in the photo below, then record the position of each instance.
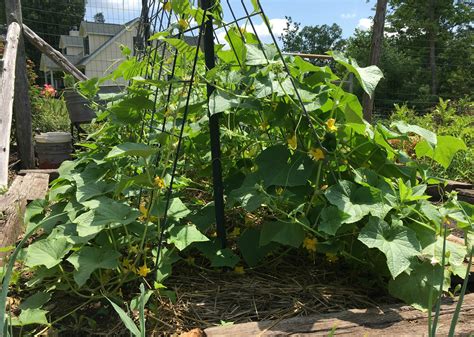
(432, 46)
(375, 52)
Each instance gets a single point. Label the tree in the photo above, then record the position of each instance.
(411, 72)
(316, 39)
(50, 19)
(426, 28)
(99, 17)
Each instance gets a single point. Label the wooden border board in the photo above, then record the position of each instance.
(389, 320)
(13, 203)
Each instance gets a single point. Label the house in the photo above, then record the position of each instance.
(94, 48)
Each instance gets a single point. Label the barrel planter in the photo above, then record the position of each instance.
(52, 148)
(78, 107)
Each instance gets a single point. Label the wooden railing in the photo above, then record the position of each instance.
(7, 92)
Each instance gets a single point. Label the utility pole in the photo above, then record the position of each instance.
(375, 52)
(21, 105)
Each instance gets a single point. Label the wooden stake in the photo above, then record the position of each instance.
(7, 93)
(375, 51)
(22, 105)
(53, 54)
(310, 56)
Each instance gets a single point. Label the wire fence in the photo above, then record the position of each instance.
(96, 35)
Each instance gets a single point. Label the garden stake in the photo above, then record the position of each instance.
(214, 129)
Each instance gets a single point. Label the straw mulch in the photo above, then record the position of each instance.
(289, 289)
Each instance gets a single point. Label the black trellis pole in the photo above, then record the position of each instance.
(214, 128)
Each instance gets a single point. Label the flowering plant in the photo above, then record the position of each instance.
(48, 91)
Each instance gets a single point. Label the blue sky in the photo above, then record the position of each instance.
(346, 13)
(349, 14)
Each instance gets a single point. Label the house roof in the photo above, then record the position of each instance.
(124, 28)
(46, 64)
(71, 41)
(110, 29)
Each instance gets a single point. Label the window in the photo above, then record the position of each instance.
(86, 45)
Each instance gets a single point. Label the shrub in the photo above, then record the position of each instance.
(448, 118)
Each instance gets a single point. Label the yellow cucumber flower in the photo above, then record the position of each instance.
(310, 244)
(143, 209)
(292, 142)
(239, 270)
(159, 182)
(143, 271)
(316, 154)
(183, 24)
(331, 124)
(235, 232)
(330, 257)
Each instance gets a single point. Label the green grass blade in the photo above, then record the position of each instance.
(127, 321)
(461, 297)
(438, 305)
(142, 311)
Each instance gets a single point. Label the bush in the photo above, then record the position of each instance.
(447, 118)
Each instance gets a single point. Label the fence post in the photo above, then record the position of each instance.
(7, 79)
(22, 105)
(375, 51)
(214, 129)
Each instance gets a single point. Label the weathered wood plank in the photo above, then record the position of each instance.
(13, 204)
(35, 186)
(22, 105)
(53, 54)
(7, 92)
(12, 208)
(53, 173)
(388, 320)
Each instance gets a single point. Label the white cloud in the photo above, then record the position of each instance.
(348, 15)
(278, 26)
(364, 24)
(116, 4)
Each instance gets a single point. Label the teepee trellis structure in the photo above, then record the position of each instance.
(158, 16)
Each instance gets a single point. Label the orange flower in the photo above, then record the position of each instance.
(48, 91)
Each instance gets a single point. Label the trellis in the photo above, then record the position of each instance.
(158, 16)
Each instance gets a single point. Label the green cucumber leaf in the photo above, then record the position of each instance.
(88, 259)
(285, 233)
(399, 244)
(47, 252)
